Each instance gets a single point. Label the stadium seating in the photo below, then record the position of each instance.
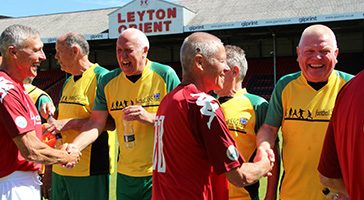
(51, 81)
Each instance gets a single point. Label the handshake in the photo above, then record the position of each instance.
(73, 155)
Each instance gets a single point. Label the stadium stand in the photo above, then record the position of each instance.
(51, 81)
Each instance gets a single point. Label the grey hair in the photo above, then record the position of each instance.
(16, 35)
(235, 56)
(77, 39)
(198, 43)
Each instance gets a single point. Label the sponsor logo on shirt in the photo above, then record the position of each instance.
(232, 153)
(237, 124)
(209, 106)
(21, 122)
(147, 101)
(323, 113)
(75, 99)
(36, 118)
(308, 115)
(5, 86)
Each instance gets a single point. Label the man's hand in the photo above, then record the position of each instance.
(58, 125)
(265, 156)
(132, 113)
(74, 153)
(47, 110)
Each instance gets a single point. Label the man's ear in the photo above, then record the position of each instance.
(12, 50)
(75, 50)
(145, 51)
(235, 70)
(336, 54)
(198, 61)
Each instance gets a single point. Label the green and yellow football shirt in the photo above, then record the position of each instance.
(244, 114)
(76, 101)
(116, 92)
(304, 114)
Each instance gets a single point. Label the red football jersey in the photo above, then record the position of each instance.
(192, 142)
(18, 116)
(342, 153)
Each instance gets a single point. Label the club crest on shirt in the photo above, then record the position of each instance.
(5, 86)
(243, 120)
(21, 122)
(232, 153)
(208, 106)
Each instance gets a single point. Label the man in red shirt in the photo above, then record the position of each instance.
(192, 141)
(20, 124)
(342, 162)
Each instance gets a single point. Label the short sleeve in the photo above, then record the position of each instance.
(100, 99)
(14, 112)
(210, 129)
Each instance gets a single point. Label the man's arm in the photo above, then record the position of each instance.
(266, 139)
(333, 183)
(272, 185)
(249, 173)
(34, 150)
(267, 136)
(91, 129)
(67, 124)
(138, 113)
(77, 124)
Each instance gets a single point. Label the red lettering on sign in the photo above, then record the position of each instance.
(161, 14)
(148, 21)
(167, 23)
(121, 28)
(147, 27)
(133, 26)
(141, 15)
(171, 13)
(131, 16)
(150, 13)
(158, 27)
(119, 18)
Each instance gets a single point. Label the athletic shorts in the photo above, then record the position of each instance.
(20, 185)
(80, 187)
(133, 188)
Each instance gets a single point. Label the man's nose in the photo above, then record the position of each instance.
(42, 55)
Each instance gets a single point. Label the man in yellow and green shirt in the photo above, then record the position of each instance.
(244, 114)
(131, 93)
(302, 104)
(89, 179)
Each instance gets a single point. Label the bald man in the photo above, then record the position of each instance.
(310, 92)
(193, 144)
(131, 93)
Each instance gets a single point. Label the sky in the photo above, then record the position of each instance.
(22, 8)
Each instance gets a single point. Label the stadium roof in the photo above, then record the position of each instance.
(222, 11)
(216, 14)
(53, 25)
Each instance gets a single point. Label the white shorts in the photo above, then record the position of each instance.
(20, 185)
